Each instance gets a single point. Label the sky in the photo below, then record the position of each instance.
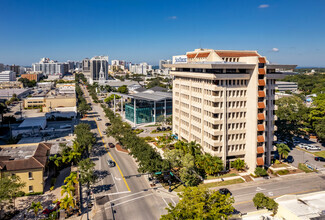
(285, 31)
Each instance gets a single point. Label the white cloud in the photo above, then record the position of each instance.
(274, 49)
(172, 17)
(264, 6)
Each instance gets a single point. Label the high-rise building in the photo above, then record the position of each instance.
(15, 68)
(162, 62)
(86, 67)
(2, 67)
(7, 76)
(225, 101)
(95, 66)
(141, 68)
(50, 67)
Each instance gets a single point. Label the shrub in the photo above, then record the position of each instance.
(238, 164)
(282, 172)
(262, 201)
(259, 171)
(34, 193)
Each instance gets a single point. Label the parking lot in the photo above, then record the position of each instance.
(301, 156)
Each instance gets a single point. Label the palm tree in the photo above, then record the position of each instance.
(71, 179)
(67, 189)
(283, 150)
(57, 160)
(36, 207)
(67, 203)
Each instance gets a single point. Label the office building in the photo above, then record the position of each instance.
(15, 69)
(142, 68)
(95, 67)
(2, 67)
(225, 101)
(86, 67)
(162, 62)
(7, 76)
(50, 67)
(118, 65)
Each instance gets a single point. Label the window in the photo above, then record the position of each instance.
(30, 175)
(30, 188)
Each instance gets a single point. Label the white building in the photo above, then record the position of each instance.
(7, 76)
(225, 101)
(141, 68)
(162, 62)
(50, 67)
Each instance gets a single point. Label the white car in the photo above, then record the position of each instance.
(301, 145)
(311, 147)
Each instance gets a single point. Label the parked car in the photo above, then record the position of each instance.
(302, 145)
(104, 132)
(224, 191)
(99, 119)
(158, 129)
(111, 145)
(111, 163)
(320, 159)
(312, 147)
(169, 128)
(163, 129)
(289, 159)
(108, 124)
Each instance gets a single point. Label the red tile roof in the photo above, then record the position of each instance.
(191, 55)
(203, 54)
(237, 53)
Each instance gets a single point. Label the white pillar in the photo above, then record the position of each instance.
(135, 112)
(122, 106)
(165, 107)
(114, 103)
(154, 111)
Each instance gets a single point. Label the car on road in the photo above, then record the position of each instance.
(320, 159)
(312, 147)
(111, 163)
(111, 145)
(289, 159)
(302, 145)
(108, 124)
(104, 132)
(99, 119)
(224, 191)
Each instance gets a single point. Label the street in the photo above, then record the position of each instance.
(125, 196)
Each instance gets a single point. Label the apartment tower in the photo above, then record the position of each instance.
(225, 101)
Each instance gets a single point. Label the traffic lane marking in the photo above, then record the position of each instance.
(118, 167)
(248, 201)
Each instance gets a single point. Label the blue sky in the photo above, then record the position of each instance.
(286, 31)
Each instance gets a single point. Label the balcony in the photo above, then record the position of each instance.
(261, 105)
(260, 161)
(261, 82)
(260, 150)
(261, 71)
(260, 128)
(261, 116)
(261, 94)
(261, 60)
(260, 138)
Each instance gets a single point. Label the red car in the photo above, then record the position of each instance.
(51, 209)
(320, 159)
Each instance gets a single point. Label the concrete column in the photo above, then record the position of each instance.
(165, 107)
(122, 106)
(135, 112)
(154, 112)
(114, 104)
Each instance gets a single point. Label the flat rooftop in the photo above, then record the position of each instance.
(10, 92)
(17, 153)
(148, 95)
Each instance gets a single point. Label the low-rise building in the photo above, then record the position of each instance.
(7, 93)
(29, 162)
(286, 86)
(32, 76)
(11, 85)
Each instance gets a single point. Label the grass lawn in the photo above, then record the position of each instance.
(221, 176)
(209, 185)
(320, 153)
(279, 165)
(304, 168)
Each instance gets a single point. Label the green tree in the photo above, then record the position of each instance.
(238, 164)
(283, 150)
(67, 189)
(320, 130)
(71, 179)
(36, 207)
(123, 89)
(83, 108)
(174, 157)
(67, 203)
(189, 176)
(260, 171)
(210, 164)
(86, 169)
(196, 203)
(262, 201)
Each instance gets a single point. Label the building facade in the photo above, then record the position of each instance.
(225, 101)
(32, 76)
(162, 62)
(50, 67)
(141, 68)
(95, 67)
(7, 76)
(287, 86)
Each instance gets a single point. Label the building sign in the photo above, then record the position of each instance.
(179, 59)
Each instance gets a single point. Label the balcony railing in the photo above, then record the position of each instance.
(261, 82)
(261, 105)
(261, 94)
